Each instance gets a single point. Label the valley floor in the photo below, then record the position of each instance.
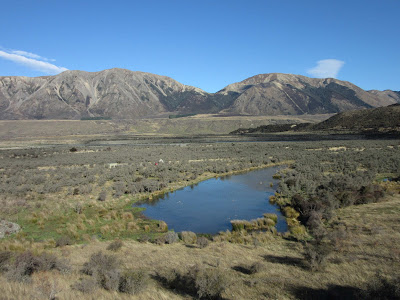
(74, 200)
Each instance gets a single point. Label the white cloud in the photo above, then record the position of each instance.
(326, 68)
(31, 55)
(32, 61)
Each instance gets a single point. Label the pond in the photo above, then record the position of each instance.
(209, 206)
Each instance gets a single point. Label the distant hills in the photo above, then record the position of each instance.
(382, 120)
(124, 94)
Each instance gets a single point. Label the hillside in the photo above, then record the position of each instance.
(123, 94)
(294, 94)
(383, 119)
(374, 120)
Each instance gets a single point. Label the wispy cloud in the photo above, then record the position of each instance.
(31, 55)
(326, 68)
(31, 60)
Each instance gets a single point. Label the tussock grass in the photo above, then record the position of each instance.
(280, 268)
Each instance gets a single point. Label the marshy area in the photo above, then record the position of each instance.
(74, 205)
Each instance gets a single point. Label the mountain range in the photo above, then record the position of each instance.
(123, 94)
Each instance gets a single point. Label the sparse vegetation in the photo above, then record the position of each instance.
(340, 200)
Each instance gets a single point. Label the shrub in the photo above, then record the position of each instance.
(86, 285)
(102, 196)
(298, 232)
(163, 226)
(107, 279)
(105, 270)
(273, 217)
(202, 242)
(46, 286)
(115, 245)
(106, 273)
(133, 281)
(78, 208)
(100, 262)
(210, 283)
(256, 267)
(290, 212)
(206, 283)
(171, 237)
(51, 262)
(188, 237)
(238, 225)
(26, 264)
(64, 241)
(144, 238)
(316, 255)
(383, 288)
(5, 257)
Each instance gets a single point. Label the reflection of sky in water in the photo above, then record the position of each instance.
(209, 206)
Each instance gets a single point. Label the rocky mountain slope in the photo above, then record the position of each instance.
(294, 94)
(120, 93)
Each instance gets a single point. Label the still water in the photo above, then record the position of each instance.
(208, 206)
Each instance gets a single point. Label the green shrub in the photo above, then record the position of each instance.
(290, 212)
(237, 225)
(273, 217)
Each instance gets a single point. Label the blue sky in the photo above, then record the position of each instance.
(206, 43)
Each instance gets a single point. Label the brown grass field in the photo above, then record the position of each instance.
(370, 246)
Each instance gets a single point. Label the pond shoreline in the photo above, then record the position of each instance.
(245, 201)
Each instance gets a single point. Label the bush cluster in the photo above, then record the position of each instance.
(205, 283)
(106, 272)
(22, 266)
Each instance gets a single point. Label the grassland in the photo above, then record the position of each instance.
(54, 193)
(44, 132)
(285, 274)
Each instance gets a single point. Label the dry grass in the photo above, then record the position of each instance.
(368, 245)
(25, 133)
